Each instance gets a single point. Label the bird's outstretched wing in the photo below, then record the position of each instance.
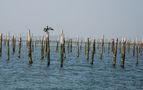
(50, 28)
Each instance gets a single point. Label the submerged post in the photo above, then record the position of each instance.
(62, 39)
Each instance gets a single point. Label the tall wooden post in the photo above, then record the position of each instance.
(1, 39)
(19, 43)
(29, 48)
(42, 48)
(78, 48)
(93, 52)
(123, 52)
(62, 43)
(88, 49)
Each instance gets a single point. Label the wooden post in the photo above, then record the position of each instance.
(102, 48)
(62, 41)
(123, 52)
(71, 46)
(114, 50)
(88, 49)
(13, 43)
(78, 48)
(57, 47)
(85, 48)
(29, 48)
(19, 43)
(93, 52)
(109, 47)
(8, 48)
(1, 39)
(68, 45)
(134, 48)
(128, 43)
(81, 45)
(137, 51)
(48, 48)
(42, 48)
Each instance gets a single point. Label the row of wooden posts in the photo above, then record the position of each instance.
(90, 47)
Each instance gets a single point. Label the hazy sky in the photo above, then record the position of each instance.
(83, 18)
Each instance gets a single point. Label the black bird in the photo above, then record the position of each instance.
(48, 28)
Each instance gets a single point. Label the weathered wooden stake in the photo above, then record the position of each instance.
(29, 41)
(8, 48)
(19, 43)
(134, 44)
(109, 47)
(78, 48)
(102, 48)
(123, 52)
(42, 48)
(13, 44)
(81, 45)
(71, 45)
(57, 47)
(85, 48)
(114, 50)
(62, 41)
(1, 39)
(93, 52)
(128, 43)
(48, 49)
(137, 51)
(88, 49)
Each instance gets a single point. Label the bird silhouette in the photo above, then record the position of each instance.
(48, 28)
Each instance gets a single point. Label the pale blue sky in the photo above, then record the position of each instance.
(83, 18)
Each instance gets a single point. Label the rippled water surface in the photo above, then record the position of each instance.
(77, 73)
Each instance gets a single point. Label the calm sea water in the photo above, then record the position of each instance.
(77, 73)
